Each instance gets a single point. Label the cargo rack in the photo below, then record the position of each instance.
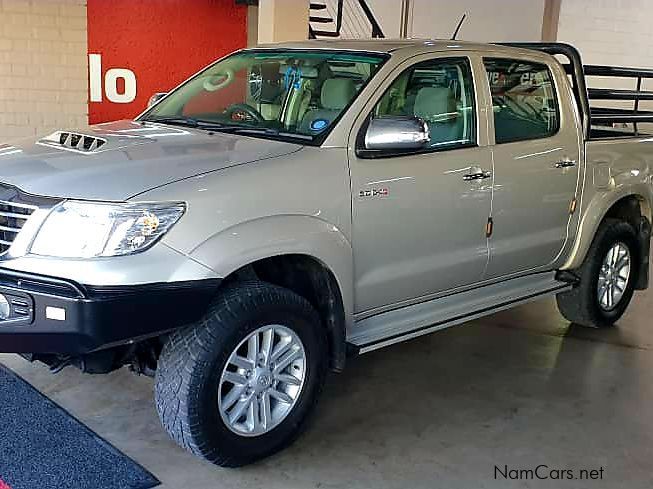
(597, 119)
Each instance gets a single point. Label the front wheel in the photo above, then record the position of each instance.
(607, 277)
(240, 384)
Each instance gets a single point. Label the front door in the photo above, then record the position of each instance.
(536, 164)
(419, 220)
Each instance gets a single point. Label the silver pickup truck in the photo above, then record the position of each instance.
(294, 204)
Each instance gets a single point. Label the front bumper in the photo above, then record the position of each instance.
(56, 316)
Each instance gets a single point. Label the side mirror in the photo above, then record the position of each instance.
(155, 98)
(396, 134)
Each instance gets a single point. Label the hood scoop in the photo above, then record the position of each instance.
(73, 141)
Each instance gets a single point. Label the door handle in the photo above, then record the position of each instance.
(566, 163)
(476, 173)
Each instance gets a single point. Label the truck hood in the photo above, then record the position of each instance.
(118, 160)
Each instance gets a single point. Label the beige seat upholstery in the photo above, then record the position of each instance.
(335, 95)
(437, 106)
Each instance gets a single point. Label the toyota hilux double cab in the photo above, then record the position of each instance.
(295, 204)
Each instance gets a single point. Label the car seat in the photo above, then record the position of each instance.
(335, 95)
(437, 106)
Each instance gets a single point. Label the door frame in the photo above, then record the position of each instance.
(480, 86)
(569, 117)
(483, 107)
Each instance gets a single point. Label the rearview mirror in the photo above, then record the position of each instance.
(396, 133)
(155, 98)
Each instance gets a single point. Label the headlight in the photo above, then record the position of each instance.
(86, 230)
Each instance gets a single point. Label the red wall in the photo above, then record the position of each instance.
(162, 41)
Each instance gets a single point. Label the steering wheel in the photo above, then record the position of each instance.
(243, 112)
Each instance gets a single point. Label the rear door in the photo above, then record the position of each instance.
(536, 164)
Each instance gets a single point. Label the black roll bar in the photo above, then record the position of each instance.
(574, 69)
(578, 73)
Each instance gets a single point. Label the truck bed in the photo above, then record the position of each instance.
(612, 161)
(607, 132)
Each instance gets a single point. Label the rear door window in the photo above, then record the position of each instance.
(523, 100)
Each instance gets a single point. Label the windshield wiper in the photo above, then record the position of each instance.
(175, 121)
(218, 127)
(194, 123)
(268, 131)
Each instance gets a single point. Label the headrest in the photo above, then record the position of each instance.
(337, 93)
(435, 104)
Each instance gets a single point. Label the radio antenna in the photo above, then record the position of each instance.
(460, 24)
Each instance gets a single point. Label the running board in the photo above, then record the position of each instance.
(412, 321)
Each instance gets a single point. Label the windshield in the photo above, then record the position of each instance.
(294, 94)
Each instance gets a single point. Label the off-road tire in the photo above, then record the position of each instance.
(581, 304)
(190, 365)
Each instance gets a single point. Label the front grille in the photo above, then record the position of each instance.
(13, 217)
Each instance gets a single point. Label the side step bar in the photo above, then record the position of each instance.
(427, 317)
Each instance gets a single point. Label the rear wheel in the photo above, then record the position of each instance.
(240, 384)
(607, 277)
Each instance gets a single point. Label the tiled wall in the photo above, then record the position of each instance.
(43, 66)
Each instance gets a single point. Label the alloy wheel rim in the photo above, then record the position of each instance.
(262, 380)
(613, 276)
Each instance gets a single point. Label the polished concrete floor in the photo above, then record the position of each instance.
(515, 390)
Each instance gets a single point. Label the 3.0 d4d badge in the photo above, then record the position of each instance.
(374, 192)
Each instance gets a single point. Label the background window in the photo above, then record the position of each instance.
(523, 99)
(439, 92)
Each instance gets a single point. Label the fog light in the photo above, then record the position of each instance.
(55, 313)
(5, 308)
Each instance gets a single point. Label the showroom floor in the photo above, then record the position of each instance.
(518, 389)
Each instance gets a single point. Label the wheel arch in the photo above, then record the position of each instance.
(311, 279)
(302, 253)
(630, 205)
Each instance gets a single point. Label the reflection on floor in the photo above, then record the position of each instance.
(518, 389)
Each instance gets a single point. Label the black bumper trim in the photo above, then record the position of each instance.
(40, 284)
(111, 291)
(644, 239)
(98, 317)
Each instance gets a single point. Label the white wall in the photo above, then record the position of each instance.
(388, 15)
(487, 20)
(43, 71)
(609, 31)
